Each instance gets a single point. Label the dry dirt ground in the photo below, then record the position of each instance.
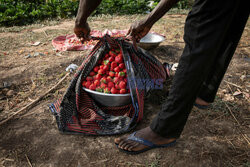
(216, 137)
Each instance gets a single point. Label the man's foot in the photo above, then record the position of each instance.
(201, 104)
(147, 134)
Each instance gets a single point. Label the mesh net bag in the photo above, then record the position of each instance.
(77, 112)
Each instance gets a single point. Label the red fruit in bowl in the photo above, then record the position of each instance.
(83, 83)
(101, 71)
(109, 79)
(98, 76)
(116, 80)
(106, 67)
(106, 56)
(87, 84)
(117, 69)
(92, 87)
(122, 66)
(125, 80)
(107, 90)
(111, 84)
(97, 82)
(104, 80)
(117, 86)
(111, 73)
(96, 68)
(123, 91)
(111, 59)
(103, 85)
(124, 70)
(89, 78)
(112, 53)
(121, 74)
(118, 59)
(122, 85)
(117, 51)
(113, 65)
(101, 66)
(92, 73)
(114, 90)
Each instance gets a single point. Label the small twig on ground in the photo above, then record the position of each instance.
(28, 160)
(45, 33)
(233, 84)
(230, 88)
(230, 142)
(30, 105)
(244, 136)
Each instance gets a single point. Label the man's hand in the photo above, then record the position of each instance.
(82, 31)
(138, 30)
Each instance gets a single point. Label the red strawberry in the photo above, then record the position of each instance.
(107, 90)
(111, 73)
(97, 82)
(114, 90)
(104, 80)
(125, 80)
(103, 85)
(83, 83)
(101, 66)
(113, 65)
(111, 59)
(112, 53)
(123, 91)
(122, 85)
(109, 79)
(117, 69)
(118, 59)
(117, 51)
(106, 56)
(98, 76)
(101, 71)
(121, 74)
(117, 86)
(106, 68)
(124, 70)
(111, 84)
(122, 66)
(89, 78)
(92, 87)
(116, 80)
(92, 73)
(87, 84)
(96, 68)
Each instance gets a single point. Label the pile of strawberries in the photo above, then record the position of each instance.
(109, 75)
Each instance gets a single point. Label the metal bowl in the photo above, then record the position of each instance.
(110, 100)
(150, 41)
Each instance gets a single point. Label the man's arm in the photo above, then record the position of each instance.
(141, 28)
(86, 7)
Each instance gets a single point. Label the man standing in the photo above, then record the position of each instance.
(213, 29)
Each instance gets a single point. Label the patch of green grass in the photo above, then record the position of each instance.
(155, 162)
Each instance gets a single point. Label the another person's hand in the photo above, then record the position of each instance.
(82, 31)
(138, 30)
